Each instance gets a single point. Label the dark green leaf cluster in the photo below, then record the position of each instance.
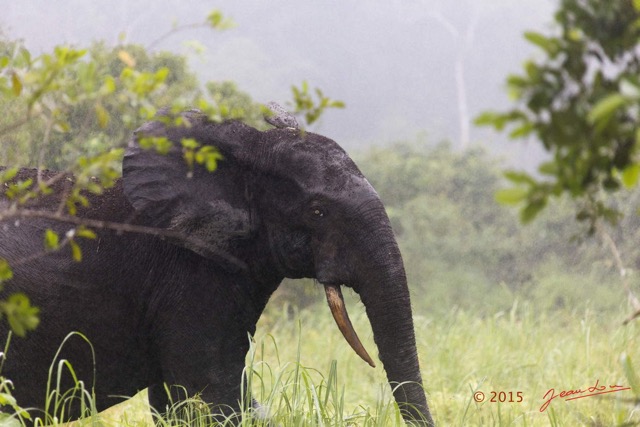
(581, 101)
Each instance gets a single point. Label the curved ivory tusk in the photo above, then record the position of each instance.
(336, 304)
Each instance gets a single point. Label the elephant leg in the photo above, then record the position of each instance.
(201, 367)
(158, 398)
(174, 403)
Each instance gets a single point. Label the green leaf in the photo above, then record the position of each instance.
(524, 130)
(533, 71)
(529, 213)
(549, 45)
(575, 35)
(9, 174)
(102, 115)
(76, 252)
(490, 118)
(16, 84)
(630, 175)
(21, 315)
(216, 20)
(5, 270)
(108, 86)
(9, 420)
(71, 206)
(86, 233)
(190, 143)
(630, 373)
(511, 196)
(519, 177)
(7, 400)
(602, 112)
(51, 240)
(20, 188)
(44, 188)
(161, 144)
(162, 74)
(548, 168)
(209, 157)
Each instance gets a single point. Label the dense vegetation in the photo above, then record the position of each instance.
(464, 249)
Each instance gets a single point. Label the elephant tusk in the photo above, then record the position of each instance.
(339, 311)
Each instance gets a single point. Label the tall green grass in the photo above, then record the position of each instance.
(304, 374)
(522, 350)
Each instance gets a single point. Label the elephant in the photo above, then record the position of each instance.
(173, 298)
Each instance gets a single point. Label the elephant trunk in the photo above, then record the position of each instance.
(396, 345)
(391, 320)
(382, 286)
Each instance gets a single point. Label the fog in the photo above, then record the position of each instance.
(402, 67)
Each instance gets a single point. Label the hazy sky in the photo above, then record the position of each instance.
(392, 62)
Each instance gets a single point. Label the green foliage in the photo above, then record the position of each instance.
(84, 102)
(51, 240)
(232, 103)
(195, 153)
(218, 21)
(20, 314)
(581, 102)
(5, 271)
(304, 103)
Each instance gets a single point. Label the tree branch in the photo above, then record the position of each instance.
(202, 246)
(170, 33)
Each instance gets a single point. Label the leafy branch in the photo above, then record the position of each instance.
(304, 103)
(581, 101)
(86, 224)
(215, 19)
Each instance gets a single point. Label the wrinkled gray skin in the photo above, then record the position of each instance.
(178, 309)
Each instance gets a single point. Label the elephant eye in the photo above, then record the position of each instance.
(317, 212)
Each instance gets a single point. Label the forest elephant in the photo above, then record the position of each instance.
(176, 307)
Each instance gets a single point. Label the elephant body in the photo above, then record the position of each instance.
(153, 311)
(177, 306)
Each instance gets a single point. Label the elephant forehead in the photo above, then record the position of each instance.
(335, 179)
(314, 160)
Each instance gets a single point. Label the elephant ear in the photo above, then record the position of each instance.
(203, 211)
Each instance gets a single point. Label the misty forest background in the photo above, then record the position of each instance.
(413, 76)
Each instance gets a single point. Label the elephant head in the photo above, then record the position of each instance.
(304, 207)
